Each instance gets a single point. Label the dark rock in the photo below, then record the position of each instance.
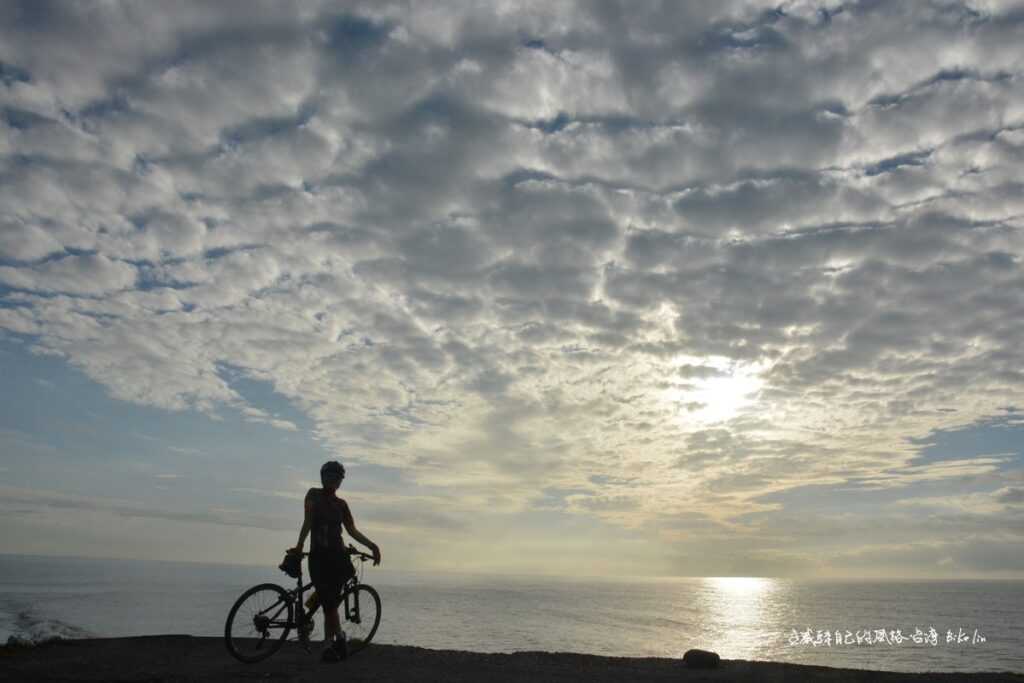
(701, 659)
(18, 641)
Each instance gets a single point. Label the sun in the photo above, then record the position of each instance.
(714, 390)
(723, 398)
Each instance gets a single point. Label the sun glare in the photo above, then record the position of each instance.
(739, 585)
(719, 393)
(739, 611)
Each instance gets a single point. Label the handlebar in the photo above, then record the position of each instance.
(358, 553)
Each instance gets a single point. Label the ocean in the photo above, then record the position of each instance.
(897, 625)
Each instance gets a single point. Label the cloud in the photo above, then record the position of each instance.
(715, 251)
(87, 275)
(52, 499)
(1011, 495)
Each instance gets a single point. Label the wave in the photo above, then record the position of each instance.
(33, 629)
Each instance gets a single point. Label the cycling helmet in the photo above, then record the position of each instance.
(331, 469)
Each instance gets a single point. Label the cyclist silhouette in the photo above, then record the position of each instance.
(329, 563)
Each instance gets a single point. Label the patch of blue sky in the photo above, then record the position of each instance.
(1002, 435)
(999, 437)
(22, 119)
(258, 129)
(12, 73)
(60, 430)
(52, 256)
(262, 395)
(349, 35)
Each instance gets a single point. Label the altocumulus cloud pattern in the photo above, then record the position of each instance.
(662, 265)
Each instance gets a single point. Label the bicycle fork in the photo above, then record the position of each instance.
(352, 606)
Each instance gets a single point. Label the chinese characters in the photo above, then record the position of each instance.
(880, 636)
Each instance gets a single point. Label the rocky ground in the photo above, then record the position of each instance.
(187, 658)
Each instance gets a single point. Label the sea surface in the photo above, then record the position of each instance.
(966, 625)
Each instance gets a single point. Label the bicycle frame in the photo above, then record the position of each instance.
(349, 599)
(268, 621)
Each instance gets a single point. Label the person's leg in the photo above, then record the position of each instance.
(331, 653)
(332, 623)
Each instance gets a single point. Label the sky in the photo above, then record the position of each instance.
(600, 288)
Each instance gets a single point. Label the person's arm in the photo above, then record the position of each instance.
(306, 522)
(350, 527)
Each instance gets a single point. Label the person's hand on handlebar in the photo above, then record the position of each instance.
(296, 549)
(375, 557)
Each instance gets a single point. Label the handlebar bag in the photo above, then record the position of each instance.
(292, 565)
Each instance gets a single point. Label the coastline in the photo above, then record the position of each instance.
(187, 659)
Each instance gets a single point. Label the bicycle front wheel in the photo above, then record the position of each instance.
(258, 623)
(360, 613)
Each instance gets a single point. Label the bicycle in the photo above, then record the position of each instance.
(269, 613)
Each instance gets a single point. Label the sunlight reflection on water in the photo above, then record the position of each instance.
(740, 616)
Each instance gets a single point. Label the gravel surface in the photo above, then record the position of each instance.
(188, 658)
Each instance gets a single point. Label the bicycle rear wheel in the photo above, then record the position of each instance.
(258, 623)
(360, 614)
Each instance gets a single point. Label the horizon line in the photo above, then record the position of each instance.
(599, 577)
